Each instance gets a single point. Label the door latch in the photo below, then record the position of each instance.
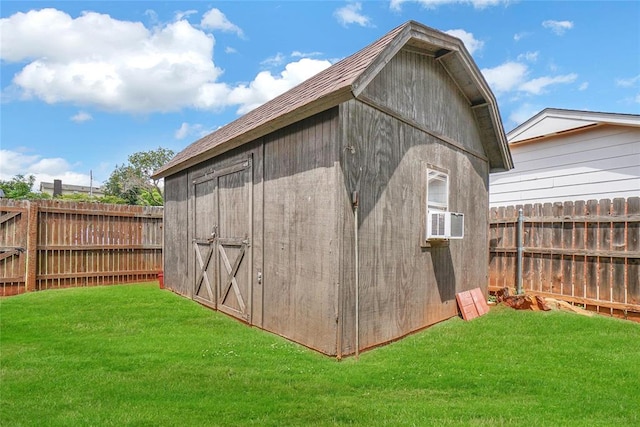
(214, 234)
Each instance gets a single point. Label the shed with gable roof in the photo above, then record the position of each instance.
(348, 211)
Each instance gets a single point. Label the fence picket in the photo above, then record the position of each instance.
(71, 244)
(585, 252)
(633, 244)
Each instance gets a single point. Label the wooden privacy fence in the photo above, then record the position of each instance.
(580, 252)
(48, 244)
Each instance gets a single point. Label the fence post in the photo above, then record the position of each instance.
(32, 247)
(519, 237)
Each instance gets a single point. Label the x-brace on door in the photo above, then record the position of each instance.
(205, 233)
(227, 250)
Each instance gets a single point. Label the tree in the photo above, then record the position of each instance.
(132, 181)
(20, 187)
(84, 197)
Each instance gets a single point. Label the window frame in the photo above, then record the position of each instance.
(441, 175)
(428, 169)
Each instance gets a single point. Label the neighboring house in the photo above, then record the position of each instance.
(568, 155)
(263, 215)
(57, 188)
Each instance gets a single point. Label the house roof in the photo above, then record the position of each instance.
(553, 121)
(345, 80)
(49, 186)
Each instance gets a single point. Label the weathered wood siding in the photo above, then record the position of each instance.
(294, 247)
(176, 234)
(206, 210)
(410, 116)
(183, 209)
(405, 286)
(595, 163)
(418, 89)
(300, 243)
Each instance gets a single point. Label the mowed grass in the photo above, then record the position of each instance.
(138, 355)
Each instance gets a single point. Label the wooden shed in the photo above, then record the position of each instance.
(314, 215)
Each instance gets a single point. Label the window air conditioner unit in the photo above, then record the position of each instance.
(445, 225)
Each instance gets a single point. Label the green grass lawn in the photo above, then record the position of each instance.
(138, 355)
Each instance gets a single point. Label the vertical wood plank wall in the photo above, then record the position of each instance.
(301, 259)
(56, 244)
(405, 286)
(294, 247)
(186, 218)
(412, 115)
(388, 140)
(586, 252)
(177, 238)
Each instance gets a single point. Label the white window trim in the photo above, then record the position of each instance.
(441, 175)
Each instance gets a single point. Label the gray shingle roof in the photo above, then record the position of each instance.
(336, 84)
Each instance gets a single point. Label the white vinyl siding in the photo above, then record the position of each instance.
(594, 163)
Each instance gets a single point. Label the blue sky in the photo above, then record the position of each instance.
(85, 84)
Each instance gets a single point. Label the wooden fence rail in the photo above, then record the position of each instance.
(48, 244)
(585, 252)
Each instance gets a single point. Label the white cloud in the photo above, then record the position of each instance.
(96, 60)
(44, 169)
(529, 56)
(513, 76)
(468, 39)
(40, 33)
(558, 27)
(274, 61)
(185, 14)
(432, 4)
(297, 54)
(519, 36)
(191, 130)
(114, 65)
(49, 166)
(584, 86)
(538, 85)
(14, 162)
(350, 14)
(267, 86)
(81, 117)
(630, 82)
(152, 15)
(183, 131)
(214, 19)
(505, 77)
(229, 49)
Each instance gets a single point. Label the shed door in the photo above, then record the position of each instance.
(234, 197)
(203, 243)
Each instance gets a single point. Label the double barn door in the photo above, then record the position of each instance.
(222, 239)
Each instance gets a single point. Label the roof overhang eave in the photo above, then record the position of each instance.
(475, 88)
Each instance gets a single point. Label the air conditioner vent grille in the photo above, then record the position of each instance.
(445, 225)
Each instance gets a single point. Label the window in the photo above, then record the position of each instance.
(441, 225)
(437, 191)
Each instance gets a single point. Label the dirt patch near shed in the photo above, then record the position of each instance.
(537, 303)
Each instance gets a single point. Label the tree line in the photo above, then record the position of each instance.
(130, 183)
